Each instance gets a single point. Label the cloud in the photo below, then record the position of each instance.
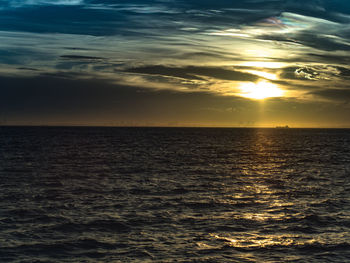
(327, 57)
(333, 94)
(25, 68)
(79, 57)
(317, 73)
(21, 3)
(194, 72)
(73, 98)
(141, 8)
(84, 99)
(311, 39)
(189, 45)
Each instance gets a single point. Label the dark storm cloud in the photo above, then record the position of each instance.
(195, 72)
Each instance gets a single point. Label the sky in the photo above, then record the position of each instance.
(222, 63)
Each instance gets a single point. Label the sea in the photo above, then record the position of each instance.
(104, 194)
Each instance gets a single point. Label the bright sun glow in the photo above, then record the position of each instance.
(260, 90)
(264, 64)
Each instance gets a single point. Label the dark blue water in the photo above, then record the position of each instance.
(174, 195)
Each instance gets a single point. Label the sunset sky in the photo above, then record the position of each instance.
(244, 63)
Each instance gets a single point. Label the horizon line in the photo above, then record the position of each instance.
(164, 126)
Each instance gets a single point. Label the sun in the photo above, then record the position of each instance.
(260, 90)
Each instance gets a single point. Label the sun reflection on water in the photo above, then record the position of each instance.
(259, 241)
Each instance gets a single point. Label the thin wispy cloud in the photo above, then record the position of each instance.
(24, 3)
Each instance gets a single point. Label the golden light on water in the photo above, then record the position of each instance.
(261, 241)
(260, 90)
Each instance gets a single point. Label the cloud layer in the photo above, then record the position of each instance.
(190, 47)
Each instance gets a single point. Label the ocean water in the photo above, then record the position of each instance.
(174, 195)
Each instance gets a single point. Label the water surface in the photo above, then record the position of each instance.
(174, 195)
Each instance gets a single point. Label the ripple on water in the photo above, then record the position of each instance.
(174, 195)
